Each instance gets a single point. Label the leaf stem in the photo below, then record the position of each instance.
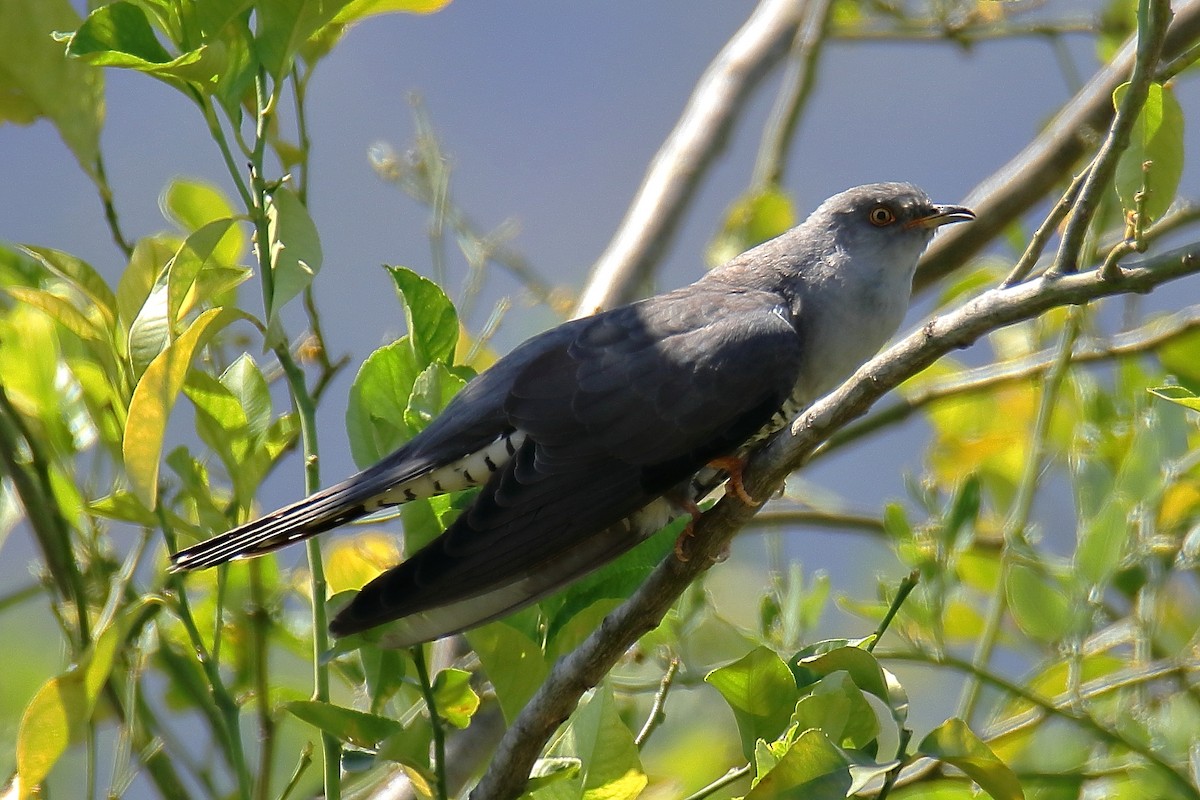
(435, 722)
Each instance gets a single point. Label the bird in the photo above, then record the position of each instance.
(591, 436)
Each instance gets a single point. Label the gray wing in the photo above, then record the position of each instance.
(627, 407)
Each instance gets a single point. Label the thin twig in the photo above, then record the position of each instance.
(1063, 710)
(733, 776)
(657, 713)
(1037, 242)
(100, 179)
(902, 592)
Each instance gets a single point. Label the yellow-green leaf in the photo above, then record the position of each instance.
(38, 80)
(155, 396)
(955, 743)
(295, 254)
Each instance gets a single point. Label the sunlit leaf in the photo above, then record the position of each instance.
(120, 35)
(456, 701)
(753, 219)
(1153, 162)
(955, 743)
(513, 662)
(432, 390)
(37, 80)
(346, 724)
(375, 414)
(596, 733)
(837, 706)
(761, 691)
(1178, 395)
(295, 254)
(80, 275)
(155, 396)
(812, 768)
(1040, 604)
(432, 320)
(57, 715)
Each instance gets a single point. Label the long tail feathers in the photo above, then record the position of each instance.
(320, 512)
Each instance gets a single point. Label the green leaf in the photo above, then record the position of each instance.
(37, 80)
(1040, 604)
(150, 331)
(295, 254)
(120, 35)
(754, 218)
(456, 701)
(954, 743)
(1103, 541)
(60, 309)
(432, 390)
(964, 509)
(1153, 163)
(154, 397)
(123, 506)
(547, 771)
(198, 252)
(761, 691)
(1178, 395)
(191, 204)
(361, 9)
(513, 663)
(246, 382)
(346, 724)
(151, 254)
(573, 611)
(80, 275)
(58, 714)
(596, 734)
(432, 320)
(862, 667)
(838, 708)
(375, 414)
(285, 25)
(812, 768)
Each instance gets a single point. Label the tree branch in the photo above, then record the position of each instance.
(582, 669)
(699, 135)
(1010, 191)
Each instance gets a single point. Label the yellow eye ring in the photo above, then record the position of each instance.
(881, 216)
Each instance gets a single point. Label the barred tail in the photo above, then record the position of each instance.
(315, 514)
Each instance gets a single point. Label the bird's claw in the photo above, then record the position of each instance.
(734, 466)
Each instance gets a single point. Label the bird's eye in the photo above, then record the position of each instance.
(881, 215)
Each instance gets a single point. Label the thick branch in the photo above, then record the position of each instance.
(582, 669)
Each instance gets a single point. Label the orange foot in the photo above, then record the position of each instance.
(734, 466)
(693, 511)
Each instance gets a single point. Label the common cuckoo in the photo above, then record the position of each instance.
(591, 436)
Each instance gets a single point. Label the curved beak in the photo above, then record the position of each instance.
(943, 215)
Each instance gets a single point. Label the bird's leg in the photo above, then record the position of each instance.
(734, 466)
(689, 506)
